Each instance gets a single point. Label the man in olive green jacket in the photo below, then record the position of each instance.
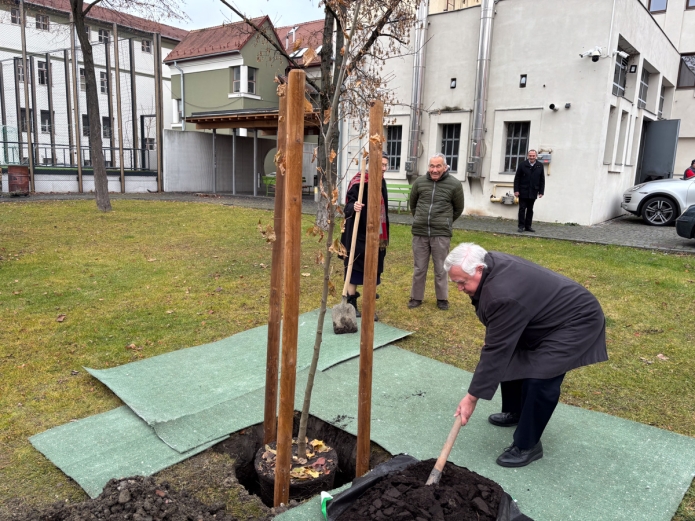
(436, 201)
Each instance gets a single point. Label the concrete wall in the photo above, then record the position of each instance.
(188, 162)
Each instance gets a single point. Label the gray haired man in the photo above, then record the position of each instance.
(436, 201)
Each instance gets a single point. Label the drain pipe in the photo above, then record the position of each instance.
(183, 99)
(477, 142)
(411, 166)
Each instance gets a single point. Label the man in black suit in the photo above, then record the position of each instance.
(529, 185)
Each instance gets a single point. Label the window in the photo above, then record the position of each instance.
(516, 147)
(236, 79)
(147, 46)
(252, 80)
(23, 118)
(43, 73)
(643, 88)
(45, 121)
(686, 73)
(42, 22)
(86, 31)
(104, 36)
(662, 98)
(83, 81)
(451, 137)
(103, 82)
(657, 6)
(690, 4)
(85, 125)
(394, 137)
(14, 16)
(106, 127)
(149, 143)
(620, 75)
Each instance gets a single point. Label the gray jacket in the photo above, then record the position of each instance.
(539, 324)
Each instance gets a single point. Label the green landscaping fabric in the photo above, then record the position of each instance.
(164, 390)
(115, 444)
(595, 467)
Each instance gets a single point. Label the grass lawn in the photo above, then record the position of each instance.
(81, 288)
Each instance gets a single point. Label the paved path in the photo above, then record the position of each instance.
(622, 231)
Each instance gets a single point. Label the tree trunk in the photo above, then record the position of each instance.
(96, 152)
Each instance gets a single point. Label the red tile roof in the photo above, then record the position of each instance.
(110, 16)
(310, 33)
(215, 40)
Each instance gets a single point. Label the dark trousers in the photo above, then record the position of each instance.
(526, 211)
(534, 401)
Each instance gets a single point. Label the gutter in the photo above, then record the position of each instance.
(411, 166)
(183, 99)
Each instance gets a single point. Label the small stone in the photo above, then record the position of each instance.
(124, 496)
(481, 505)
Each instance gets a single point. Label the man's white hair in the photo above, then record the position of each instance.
(467, 256)
(440, 156)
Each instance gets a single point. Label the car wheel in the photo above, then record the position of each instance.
(659, 211)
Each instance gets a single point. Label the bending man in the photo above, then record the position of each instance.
(539, 325)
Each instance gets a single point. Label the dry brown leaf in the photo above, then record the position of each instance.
(326, 116)
(661, 356)
(314, 154)
(308, 107)
(332, 156)
(278, 157)
(282, 89)
(334, 199)
(376, 139)
(331, 289)
(320, 258)
(309, 56)
(306, 274)
(60, 318)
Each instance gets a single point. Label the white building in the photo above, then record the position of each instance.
(48, 50)
(638, 72)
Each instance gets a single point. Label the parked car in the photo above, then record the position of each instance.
(660, 203)
(685, 224)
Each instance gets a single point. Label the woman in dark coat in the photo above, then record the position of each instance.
(350, 210)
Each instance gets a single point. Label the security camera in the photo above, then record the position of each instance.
(622, 54)
(594, 53)
(553, 107)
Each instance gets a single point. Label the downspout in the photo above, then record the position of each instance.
(411, 166)
(183, 99)
(477, 142)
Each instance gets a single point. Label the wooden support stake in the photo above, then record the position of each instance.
(276, 281)
(371, 260)
(293, 240)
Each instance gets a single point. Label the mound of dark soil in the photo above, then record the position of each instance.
(461, 495)
(136, 499)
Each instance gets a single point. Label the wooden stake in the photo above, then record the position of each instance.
(371, 261)
(276, 279)
(293, 239)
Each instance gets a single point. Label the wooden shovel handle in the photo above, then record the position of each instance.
(355, 225)
(436, 473)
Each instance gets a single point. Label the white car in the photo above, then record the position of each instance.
(660, 203)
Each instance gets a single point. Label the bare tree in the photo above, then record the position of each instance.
(358, 36)
(152, 10)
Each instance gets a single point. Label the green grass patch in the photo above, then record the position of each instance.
(152, 277)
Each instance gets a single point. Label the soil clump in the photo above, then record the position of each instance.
(461, 495)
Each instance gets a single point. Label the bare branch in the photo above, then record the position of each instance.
(84, 13)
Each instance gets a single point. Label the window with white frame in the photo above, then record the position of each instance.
(43, 73)
(516, 146)
(20, 72)
(103, 82)
(394, 139)
(23, 120)
(451, 139)
(14, 16)
(236, 79)
(149, 143)
(104, 36)
(251, 83)
(83, 80)
(43, 22)
(657, 6)
(86, 31)
(662, 98)
(45, 122)
(619, 75)
(146, 46)
(643, 88)
(85, 125)
(105, 127)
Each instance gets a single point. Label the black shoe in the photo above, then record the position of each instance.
(513, 456)
(443, 304)
(352, 300)
(504, 419)
(529, 229)
(412, 303)
(521, 229)
(376, 317)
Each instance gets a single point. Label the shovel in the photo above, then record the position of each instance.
(344, 317)
(436, 473)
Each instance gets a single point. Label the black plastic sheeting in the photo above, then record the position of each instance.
(508, 511)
